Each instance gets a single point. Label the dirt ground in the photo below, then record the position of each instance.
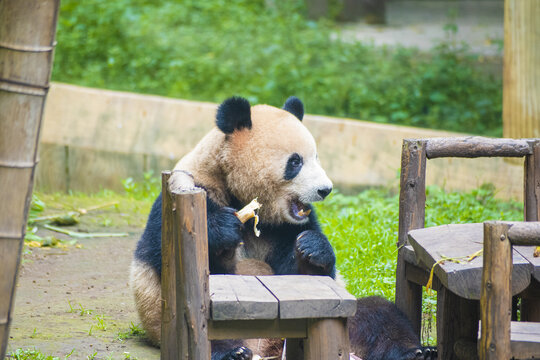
(78, 301)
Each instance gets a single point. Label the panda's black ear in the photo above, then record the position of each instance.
(233, 114)
(294, 106)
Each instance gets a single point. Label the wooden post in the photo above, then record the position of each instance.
(27, 33)
(496, 296)
(327, 339)
(190, 305)
(412, 202)
(521, 91)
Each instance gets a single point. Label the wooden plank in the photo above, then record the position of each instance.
(525, 340)
(254, 329)
(412, 201)
(525, 233)
(192, 272)
(170, 347)
(496, 301)
(327, 339)
(457, 322)
(237, 297)
(531, 179)
(459, 241)
(476, 146)
(521, 80)
(294, 348)
(309, 296)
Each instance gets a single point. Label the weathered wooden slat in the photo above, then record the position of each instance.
(496, 301)
(476, 146)
(458, 241)
(412, 201)
(170, 346)
(192, 272)
(524, 339)
(237, 297)
(254, 329)
(308, 296)
(532, 184)
(525, 233)
(327, 339)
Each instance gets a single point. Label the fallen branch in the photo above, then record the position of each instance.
(79, 235)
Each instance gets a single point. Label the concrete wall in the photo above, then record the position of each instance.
(91, 139)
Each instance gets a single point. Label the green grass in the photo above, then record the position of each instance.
(210, 50)
(363, 229)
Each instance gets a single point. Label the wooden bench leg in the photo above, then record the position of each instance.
(327, 339)
(408, 297)
(457, 322)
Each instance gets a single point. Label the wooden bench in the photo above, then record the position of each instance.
(198, 307)
(501, 338)
(457, 284)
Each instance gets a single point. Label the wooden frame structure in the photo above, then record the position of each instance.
(198, 307)
(502, 338)
(410, 275)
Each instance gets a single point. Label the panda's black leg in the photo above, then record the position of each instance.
(221, 350)
(314, 254)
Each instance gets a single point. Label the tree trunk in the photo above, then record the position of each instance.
(27, 33)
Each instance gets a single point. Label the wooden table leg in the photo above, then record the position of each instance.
(327, 339)
(457, 320)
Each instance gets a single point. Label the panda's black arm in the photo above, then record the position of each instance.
(224, 235)
(301, 249)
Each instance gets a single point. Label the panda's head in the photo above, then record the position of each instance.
(269, 154)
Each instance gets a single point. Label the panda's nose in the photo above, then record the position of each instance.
(324, 192)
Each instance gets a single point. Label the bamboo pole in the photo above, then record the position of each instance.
(521, 74)
(27, 33)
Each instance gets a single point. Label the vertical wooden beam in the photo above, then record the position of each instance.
(412, 202)
(496, 304)
(27, 33)
(327, 339)
(521, 91)
(530, 299)
(294, 348)
(192, 273)
(170, 346)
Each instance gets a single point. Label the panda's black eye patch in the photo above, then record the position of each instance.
(294, 165)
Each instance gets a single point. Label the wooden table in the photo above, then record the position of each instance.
(459, 281)
(314, 308)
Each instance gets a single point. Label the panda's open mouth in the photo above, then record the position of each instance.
(299, 211)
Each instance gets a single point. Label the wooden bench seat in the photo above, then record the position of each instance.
(460, 241)
(524, 339)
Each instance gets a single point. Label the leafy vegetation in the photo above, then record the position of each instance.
(210, 50)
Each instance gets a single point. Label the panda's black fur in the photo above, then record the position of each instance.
(299, 248)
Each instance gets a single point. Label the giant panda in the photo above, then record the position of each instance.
(267, 153)
(259, 152)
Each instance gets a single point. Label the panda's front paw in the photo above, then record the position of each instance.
(314, 253)
(224, 231)
(181, 181)
(240, 353)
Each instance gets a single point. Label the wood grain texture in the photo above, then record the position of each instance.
(192, 273)
(27, 33)
(476, 146)
(460, 241)
(309, 296)
(521, 77)
(525, 233)
(254, 329)
(496, 305)
(237, 297)
(412, 201)
(525, 340)
(327, 339)
(170, 347)
(531, 178)
(457, 324)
